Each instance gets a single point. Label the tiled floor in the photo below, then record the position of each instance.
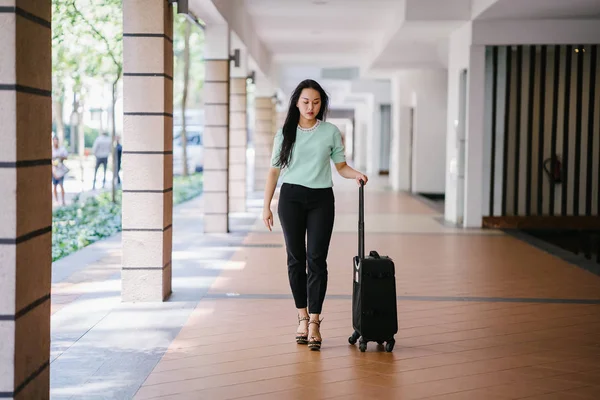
(482, 315)
(103, 348)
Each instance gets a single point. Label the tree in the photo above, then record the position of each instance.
(186, 81)
(69, 63)
(87, 38)
(188, 43)
(196, 62)
(104, 23)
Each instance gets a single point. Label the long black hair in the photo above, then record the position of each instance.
(293, 118)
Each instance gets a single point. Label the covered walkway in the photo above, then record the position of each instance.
(432, 97)
(482, 315)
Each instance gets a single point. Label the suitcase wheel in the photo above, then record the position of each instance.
(353, 338)
(362, 346)
(389, 346)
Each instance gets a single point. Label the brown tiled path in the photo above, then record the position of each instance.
(482, 315)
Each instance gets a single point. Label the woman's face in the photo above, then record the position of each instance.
(309, 103)
(55, 142)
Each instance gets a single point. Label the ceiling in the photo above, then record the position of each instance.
(368, 34)
(297, 39)
(330, 32)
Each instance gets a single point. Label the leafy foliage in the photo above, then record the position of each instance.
(83, 223)
(80, 224)
(196, 76)
(87, 47)
(87, 41)
(186, 188)
(69, 59)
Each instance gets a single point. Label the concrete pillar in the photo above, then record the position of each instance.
(274, 119)
(238, 134)
(419, 152)
(216, 130)
(364, 131)
(373, 144)
(280, 119)
(474, 150)
(400, 145)
(263, 140)
(147, 149)
(400, 167)
(25, 199)
(458, 64)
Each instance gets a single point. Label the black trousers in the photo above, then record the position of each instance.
(305, 212)
(104, 162)
(119, 157)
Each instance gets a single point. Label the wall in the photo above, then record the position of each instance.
(363, 131)
(543, 31)
(386, 137)
(499, 32)
(429, 91)
(398, 168)
(425, 92)
(380, 92)
(540, 118)
(460, 42)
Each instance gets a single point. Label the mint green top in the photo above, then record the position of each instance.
(312, 153)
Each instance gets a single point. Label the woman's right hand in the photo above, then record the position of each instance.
(268, 218)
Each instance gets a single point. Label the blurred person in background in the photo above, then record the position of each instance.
(101, 149)
(59, 169)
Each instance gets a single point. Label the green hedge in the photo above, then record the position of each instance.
(185, 189)
(82, 223)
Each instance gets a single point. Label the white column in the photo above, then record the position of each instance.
(419, 121)
(399, 152)
(360, 152)
(429, 99)
(372, 137)
(474, 151)
(458, 65)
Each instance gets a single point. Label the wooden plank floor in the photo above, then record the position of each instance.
(481, 316)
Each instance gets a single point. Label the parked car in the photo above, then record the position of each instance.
(195, 149)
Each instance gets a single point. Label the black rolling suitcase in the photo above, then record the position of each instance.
(374, 311)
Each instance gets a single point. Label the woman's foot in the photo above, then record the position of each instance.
(302, 331)
(314, 334)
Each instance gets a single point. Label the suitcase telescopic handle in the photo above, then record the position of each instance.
(361, 220)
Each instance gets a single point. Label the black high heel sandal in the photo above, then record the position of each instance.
(314, 344)
(302, 338)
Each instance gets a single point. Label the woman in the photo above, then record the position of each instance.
(59, 169)
(302, 152)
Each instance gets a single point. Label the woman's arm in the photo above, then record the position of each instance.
(339, 158)
(350, 173)
(272, 177)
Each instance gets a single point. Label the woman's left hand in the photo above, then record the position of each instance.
(361, 177)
